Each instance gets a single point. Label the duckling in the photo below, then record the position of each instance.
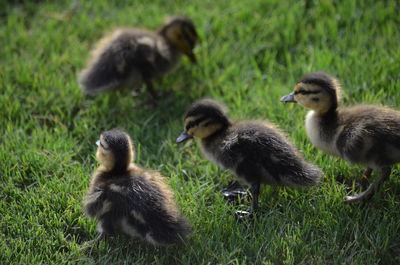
(365, 134)
(129, 199)
(129, 57)
(255, 152)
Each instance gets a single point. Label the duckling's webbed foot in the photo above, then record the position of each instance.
(361, 196)
(156, 96)
(255, 190)
(242, 215)
(234, 192)
(102, 236)
(89, 245)
(372, 188)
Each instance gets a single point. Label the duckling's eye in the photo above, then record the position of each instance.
(194, 123)
(306, 92)
(190, 125)
(301, 91)
(298, 92)
(315, 99)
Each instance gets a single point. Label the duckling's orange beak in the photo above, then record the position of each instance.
(183, 137)
(288, 98)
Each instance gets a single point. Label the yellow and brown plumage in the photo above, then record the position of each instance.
(365, 134)
(255, 151)
(127, 198)
(130, 57)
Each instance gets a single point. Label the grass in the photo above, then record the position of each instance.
(250, 55)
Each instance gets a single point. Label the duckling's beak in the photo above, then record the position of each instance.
(183, 137)
(192, 57)
(98, 142)
(289, 98)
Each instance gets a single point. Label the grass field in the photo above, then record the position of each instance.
(251, 53)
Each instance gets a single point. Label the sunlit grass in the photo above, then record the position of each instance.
(251, 53)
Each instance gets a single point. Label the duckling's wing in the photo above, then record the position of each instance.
(371, 136)
(263, 153)
(143, 205)
(105, 73)
(124, 60)
(93, 202)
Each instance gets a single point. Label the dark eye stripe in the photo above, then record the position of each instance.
(195, 123)
(103, 146)
(189, 125)
(305, 92)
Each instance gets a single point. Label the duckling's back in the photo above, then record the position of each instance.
(140, 204)
(126, 58)
(258, 152)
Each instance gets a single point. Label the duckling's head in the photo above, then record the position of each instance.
(181, 32)
(317, 91)
(204, 118)
(115, 150)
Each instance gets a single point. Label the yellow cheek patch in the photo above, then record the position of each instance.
(191, 131)
(176, 35)
(190, 37)
(203, 132)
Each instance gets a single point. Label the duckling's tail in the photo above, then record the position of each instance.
(306, 175)
(100, 76)
(172, 231)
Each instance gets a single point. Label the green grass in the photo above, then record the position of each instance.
(251, 53)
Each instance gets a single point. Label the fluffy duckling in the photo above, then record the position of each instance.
(127, 198)
(129, 57)
(255, 151)
(366, 135)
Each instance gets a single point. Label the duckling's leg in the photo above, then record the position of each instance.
(367, 194)
(255, 191)
(102, 236)
(92, 243)
(150, 88)
(364, 179)
(234, 191)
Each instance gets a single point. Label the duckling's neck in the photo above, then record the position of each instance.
(115, 169)
(162, 32)
(331, 112)
(215, 135)
(211, 145)
(327, 119)
(167, 57)
(171, 51)
(322, 129)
